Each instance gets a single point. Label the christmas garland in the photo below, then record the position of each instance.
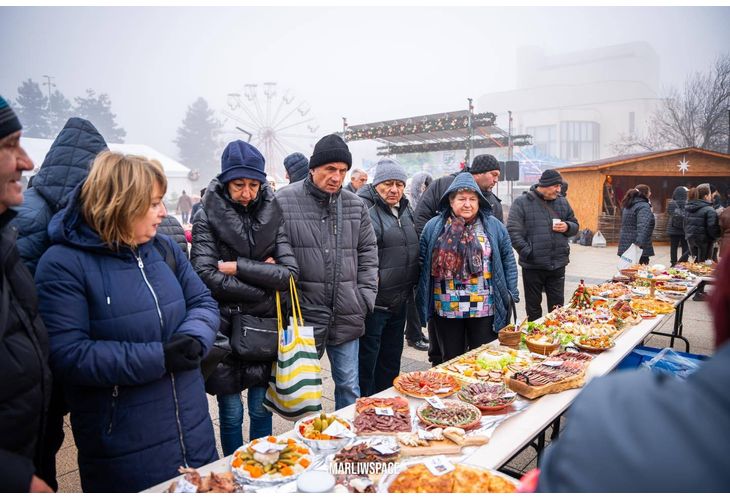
(420, 127)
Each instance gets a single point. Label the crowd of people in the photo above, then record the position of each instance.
(106, 316)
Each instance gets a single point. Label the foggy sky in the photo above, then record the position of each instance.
(367, 64)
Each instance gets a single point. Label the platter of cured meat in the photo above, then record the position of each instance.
(557, 373)
(382, 416)
(426, 384)
(454, 414)
(487, 396)
(364, 451)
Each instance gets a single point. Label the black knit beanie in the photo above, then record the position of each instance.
(550, 177)
(484, 163)
(330, 149)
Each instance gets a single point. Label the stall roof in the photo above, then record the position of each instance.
(615, 161)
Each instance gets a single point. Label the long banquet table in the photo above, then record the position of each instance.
(514, 433)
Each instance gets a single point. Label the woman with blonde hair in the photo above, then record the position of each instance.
(128, 322)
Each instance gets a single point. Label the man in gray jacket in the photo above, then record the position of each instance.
(332, 237)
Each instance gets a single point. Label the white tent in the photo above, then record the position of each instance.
(176, 172)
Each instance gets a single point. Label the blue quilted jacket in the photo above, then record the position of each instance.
(504, 267)
(108, 314)
(64, 167)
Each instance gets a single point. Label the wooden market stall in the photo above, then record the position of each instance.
(596, 188)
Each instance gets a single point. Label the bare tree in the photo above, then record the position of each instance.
(695, 116)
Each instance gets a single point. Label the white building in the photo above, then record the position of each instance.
(176, 172)
(577, 105)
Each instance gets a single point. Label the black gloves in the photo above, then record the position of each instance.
(182, 352)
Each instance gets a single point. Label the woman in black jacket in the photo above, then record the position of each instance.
(241, 251)
(637, 222)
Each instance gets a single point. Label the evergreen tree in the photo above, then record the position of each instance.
(197, 140)
(60, 112)
(32, 109)
(97, 109)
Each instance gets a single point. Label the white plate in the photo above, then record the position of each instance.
(242, 476)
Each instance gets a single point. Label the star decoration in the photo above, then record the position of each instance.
(683, 165)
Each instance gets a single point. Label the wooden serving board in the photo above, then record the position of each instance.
(445, 447)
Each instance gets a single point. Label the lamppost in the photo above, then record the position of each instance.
(49, 84)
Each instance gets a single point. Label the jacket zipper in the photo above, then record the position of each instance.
(140, 264)
(115, 394)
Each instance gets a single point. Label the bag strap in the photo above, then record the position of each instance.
(296, 307)
(167, 254)
(279, 322)
(513, 309)
(551, 212)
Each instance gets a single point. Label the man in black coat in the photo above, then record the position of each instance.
(484, 168)
(539, 225)
(25, 379)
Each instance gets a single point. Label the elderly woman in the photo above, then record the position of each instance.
(128, 322)
(637, 222)
(241, 251)
(468, 272)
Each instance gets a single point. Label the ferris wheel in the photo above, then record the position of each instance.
(278, 124)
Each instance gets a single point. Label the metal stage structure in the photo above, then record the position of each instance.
(456, 130)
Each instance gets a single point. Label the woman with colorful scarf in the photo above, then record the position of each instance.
(468, 275)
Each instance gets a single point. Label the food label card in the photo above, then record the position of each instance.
(554, 363)
(265, 446)
(436, 402)
(336, 429)
(438, 465)
(384, 446)
(185, 486)
(385, 411)
(427, 435)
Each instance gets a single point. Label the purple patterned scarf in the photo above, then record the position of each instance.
(457, 253)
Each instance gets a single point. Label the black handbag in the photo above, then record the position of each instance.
(253, 338)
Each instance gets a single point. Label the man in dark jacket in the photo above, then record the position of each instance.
(64, 167)
(25, 380)
(197, 206)
(330, 231)
(358, 178)
(675, 224)
(172, 228)
(540, 223)
(657, 433)
(297, 167)
(382, 345)
(485, 170)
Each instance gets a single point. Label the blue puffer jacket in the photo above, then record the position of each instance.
(108, 314)
(64, 167)
(504, 267)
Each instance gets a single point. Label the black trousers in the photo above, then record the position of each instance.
(701, 250)
(674, 242)
(413, 322)
(456, 336)
(535, 281)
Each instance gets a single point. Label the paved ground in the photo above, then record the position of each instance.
(592, 264)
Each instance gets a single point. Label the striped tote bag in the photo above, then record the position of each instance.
(295, 386)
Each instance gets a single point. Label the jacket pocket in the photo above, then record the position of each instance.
(320, 319)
